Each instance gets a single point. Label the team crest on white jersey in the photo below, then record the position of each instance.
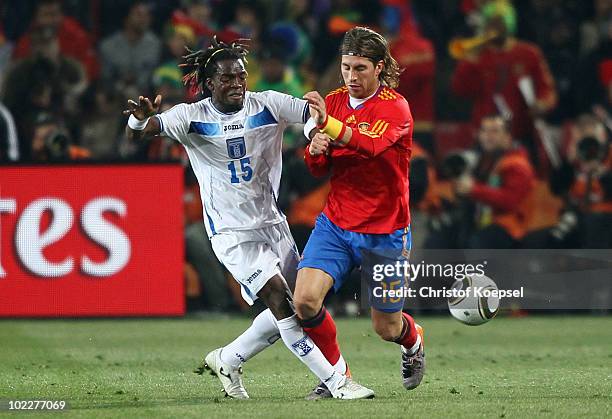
(236, 148)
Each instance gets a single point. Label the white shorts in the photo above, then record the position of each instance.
(255, 256)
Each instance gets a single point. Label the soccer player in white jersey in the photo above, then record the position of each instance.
(233, 140)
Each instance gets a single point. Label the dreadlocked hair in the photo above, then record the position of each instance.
(364, 42)
(200, 64)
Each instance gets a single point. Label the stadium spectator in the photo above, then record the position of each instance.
(44, 81)
(51, 141)
(130, 55)
(342, 16)
(197, 15)
(247, 23)
(302, 15)
(490, 78)
(168, 77)
(248, 20)
(74, 41)
(584, 182)
(590, 194)
(500, 187)
(102, 129)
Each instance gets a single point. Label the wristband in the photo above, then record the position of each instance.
(321, 126)
(136, 124)
(332, 127)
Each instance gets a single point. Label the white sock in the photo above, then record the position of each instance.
(415, 347)
(340, 366)
(304, 348)
(262, 333)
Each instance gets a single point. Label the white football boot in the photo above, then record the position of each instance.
(230, 377)
(351, 390)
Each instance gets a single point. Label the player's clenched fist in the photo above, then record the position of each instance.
(319, 144)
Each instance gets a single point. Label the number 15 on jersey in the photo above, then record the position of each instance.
(245, 168)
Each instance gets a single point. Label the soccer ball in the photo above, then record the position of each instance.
(474, 300)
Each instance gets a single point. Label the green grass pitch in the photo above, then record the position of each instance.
(511, 367)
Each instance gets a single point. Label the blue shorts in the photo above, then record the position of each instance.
(337, 251)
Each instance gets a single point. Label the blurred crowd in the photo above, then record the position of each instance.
(511, 102)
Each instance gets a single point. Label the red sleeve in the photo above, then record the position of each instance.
(544, 83)
(466, 80)
(516, 185)
(392, 121)
(317, 165)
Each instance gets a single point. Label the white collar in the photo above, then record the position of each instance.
(354, 102)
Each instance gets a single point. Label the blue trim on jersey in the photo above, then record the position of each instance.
(248, 292)
(211, 224)
(161, 123)
(205, 128)
(306, 113)
(264, 117)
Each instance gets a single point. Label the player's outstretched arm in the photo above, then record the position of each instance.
(140, 124)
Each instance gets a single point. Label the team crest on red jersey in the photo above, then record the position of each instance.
(363, 126)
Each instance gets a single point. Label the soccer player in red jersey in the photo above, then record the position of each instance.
(362, 134)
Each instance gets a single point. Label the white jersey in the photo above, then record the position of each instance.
(236, 157)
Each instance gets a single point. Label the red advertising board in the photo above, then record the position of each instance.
(91, 240)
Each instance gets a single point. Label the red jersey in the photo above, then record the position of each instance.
(369, 175)
(498, 72)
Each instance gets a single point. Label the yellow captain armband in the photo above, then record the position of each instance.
(332, 127)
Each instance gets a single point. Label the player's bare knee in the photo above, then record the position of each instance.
(306, 306)
(275, 294)
(387, 334)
